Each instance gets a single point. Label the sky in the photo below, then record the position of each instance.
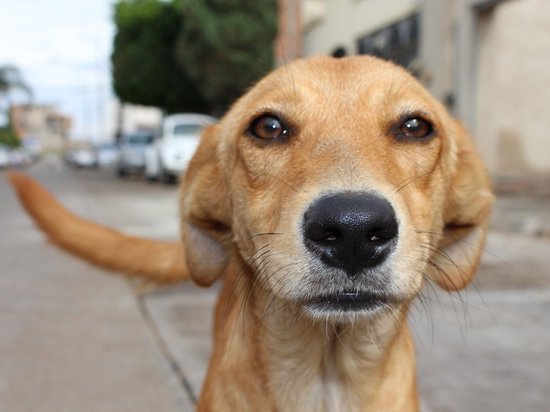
(62, 48)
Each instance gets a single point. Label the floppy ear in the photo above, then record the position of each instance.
(205, 209)
(466, 217)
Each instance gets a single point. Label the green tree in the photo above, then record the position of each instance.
(226, 45)
(10, 81)
(8, 137)
(144, 64)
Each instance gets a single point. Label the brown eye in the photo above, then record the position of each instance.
(268, 127)
(416, 128)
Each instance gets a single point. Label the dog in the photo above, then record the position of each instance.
(324, 199)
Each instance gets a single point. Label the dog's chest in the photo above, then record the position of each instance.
(322, 378)
(317, 391)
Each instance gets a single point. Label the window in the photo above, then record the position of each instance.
(186, 129)
(397, 42)
(140, 139)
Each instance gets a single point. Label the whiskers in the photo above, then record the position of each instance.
(415, 179)
(437, 260)
(402, 185)
(257, 235)
(257, 289)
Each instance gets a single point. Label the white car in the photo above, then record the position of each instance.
(4, 156)
(84, 157)
(131, 152)
(107, 155)
(169, 155)
(19, 157)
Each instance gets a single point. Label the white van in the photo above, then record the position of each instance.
(169, 154)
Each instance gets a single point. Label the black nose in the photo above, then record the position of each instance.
(351, 230)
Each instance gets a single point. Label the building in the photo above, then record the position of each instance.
(487, 60)
(128, 118)
(42, 124)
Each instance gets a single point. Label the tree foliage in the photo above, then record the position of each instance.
(11, 80)
(226, 45)
(8, 137)
(191, 55)
(145, 70)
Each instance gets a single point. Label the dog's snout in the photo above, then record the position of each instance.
(351, 230)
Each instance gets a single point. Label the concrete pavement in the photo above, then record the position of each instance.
(486, 349)
(71, 337)
(75, 339)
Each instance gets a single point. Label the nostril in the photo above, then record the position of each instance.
(332, 235)
(318, 233)
(376, 238)
(380, 235)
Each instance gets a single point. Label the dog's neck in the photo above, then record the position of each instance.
(321, 366)
(315, 366)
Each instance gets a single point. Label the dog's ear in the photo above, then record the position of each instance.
(205, 208)
(466, 216)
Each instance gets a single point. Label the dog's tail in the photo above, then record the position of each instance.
(154, 260)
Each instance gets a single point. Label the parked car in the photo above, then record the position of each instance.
(19, 157)
(107, 155)
(32, 146)
(131, 147)
(170, 153)
(82, 157)
(4, 156)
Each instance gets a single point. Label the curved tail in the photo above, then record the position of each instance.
(155, 260)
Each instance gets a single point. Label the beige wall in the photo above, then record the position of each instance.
(492, 66)
(513, 87)
(134, 118)
(437, 52)
(41, 122)
(342, 22)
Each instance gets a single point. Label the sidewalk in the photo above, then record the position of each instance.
(522, 206)
(522, 214)
(71, 337)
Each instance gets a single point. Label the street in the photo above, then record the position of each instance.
(75, 338)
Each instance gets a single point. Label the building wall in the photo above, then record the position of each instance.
(132, 117)
(487, 60)
(437, 49)
(340, 23)
(513, 87)
(42, 123)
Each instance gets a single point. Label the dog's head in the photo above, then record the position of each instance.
(343, 184)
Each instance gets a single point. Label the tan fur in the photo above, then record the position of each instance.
(157, 261)
(242, 204)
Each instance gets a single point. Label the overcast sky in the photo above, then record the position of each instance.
(63, 49)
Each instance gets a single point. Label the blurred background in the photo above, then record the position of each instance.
(99, 97)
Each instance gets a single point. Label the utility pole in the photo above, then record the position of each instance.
(288, 45)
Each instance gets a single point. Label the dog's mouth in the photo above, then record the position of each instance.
(349, 301)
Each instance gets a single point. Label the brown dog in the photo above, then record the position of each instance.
(323, 199)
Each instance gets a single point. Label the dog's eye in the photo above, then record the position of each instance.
(268, 127)
(416, 128)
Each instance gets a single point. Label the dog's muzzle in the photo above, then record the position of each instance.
(352, 231)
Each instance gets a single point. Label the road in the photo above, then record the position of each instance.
(74, 338)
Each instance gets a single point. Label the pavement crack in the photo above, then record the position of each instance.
(165, 351)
